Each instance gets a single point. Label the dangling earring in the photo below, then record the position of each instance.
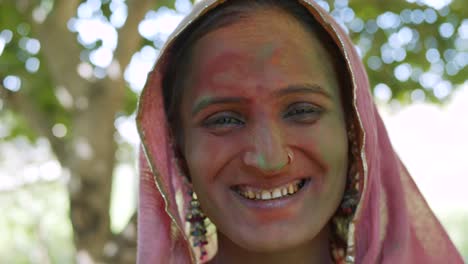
(343, 217)
(197, 225)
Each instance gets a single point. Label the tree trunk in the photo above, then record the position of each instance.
(88, 151)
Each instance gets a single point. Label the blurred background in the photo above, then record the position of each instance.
(70, 74)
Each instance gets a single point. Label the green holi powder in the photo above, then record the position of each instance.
(266, 51)
(261, 162)
(201, 103)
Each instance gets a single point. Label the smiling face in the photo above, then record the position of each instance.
(262, 118)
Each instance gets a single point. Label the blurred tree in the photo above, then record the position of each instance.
(76, 114)
(412, 51)
(54, 89)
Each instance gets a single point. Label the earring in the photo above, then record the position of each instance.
(351, 194)
(196, 218)
(343, 217)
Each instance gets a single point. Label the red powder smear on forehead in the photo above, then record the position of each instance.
(223, 63)
(269, 54)
(275, 58)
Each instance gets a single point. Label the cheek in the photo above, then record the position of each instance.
(333, 145)
(326, 143)
(334, 148)
(207, 154)
(196, 153)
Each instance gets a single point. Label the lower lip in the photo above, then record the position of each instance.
(274, 208)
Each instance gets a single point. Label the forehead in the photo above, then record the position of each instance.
(261, 49)
(259, 35)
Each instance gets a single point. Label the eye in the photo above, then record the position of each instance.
(303, 112)
(223, 120)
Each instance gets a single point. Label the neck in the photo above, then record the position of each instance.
(315, 251)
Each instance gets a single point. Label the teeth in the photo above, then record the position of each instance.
(276, 193)
(284, 191)
(279, 192)
(244, 193)
(250, 194)
(266, 195)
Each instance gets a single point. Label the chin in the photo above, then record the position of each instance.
(274, 238)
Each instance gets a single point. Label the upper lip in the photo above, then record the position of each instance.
(269, 183)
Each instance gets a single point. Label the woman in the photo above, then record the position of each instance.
(258, 115)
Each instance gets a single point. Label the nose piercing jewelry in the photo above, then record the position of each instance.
(290, 157)
(288, 162)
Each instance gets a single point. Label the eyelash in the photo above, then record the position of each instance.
(298, 112)
(223, 120)
(302, 111)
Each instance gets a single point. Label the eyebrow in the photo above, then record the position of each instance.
(205, 102)
(303, 88)
(290, 89)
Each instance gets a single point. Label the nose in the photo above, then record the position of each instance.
(269, 152)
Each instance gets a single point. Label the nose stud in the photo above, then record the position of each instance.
(289, 161)
(290, 156)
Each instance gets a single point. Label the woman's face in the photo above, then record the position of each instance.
(258, 90)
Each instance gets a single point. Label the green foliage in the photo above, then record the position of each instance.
(426, 39)
(18, 126)
(131, 99)
(36, 85)
(105, 8)
(167, 3)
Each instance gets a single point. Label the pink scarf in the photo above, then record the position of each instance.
(392, 224)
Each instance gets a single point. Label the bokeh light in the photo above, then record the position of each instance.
(374, 62)
(430, 15)
(59, 130)
(388, 20)
(12, 83)
(32, 64)
(432, 55)
(442, 89)
(140, 64)
(418, 96)
(446, 30)
(403, 72)
(382, 92)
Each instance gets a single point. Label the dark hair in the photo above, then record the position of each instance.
(225, 14)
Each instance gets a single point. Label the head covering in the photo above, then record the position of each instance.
(392, 222)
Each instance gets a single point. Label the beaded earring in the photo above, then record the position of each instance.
(347, 208)
(196, 218)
